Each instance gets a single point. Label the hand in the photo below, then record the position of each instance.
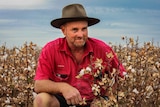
(71, 94)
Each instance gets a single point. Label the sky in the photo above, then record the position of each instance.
(24, 21)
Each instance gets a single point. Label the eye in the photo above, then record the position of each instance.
(85, 28)
(74, 30)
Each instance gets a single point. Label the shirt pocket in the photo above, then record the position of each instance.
(61, 75)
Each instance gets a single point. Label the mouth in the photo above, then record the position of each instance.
(79, 39)
(79, 42)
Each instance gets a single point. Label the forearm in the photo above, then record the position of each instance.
(48, 86)
(70, 93)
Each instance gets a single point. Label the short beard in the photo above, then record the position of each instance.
(80, 45)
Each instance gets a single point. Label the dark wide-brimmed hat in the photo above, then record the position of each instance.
(73, 12)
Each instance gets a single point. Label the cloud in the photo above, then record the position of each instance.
(22, 4)
(5, 21)
(104, 11)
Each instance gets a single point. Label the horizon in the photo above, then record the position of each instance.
(25, 21)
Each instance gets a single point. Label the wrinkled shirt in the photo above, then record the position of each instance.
(57, 63)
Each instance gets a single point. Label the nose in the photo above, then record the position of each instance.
(80, 33)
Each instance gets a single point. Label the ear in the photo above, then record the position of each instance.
(63, 29)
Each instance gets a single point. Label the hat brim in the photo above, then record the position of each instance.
(58, 22)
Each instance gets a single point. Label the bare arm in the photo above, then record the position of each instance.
(70, 93)
(47, 86)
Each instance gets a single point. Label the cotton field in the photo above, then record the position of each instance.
(141, 87)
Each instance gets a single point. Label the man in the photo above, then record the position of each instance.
(61, 61)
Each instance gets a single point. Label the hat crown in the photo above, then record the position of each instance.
(73, 10)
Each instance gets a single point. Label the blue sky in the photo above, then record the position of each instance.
(29, 20)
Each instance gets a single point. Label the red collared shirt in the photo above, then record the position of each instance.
(58, 64)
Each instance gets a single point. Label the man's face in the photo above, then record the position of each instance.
(76, 33)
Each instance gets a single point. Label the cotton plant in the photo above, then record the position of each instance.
(100, 80)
